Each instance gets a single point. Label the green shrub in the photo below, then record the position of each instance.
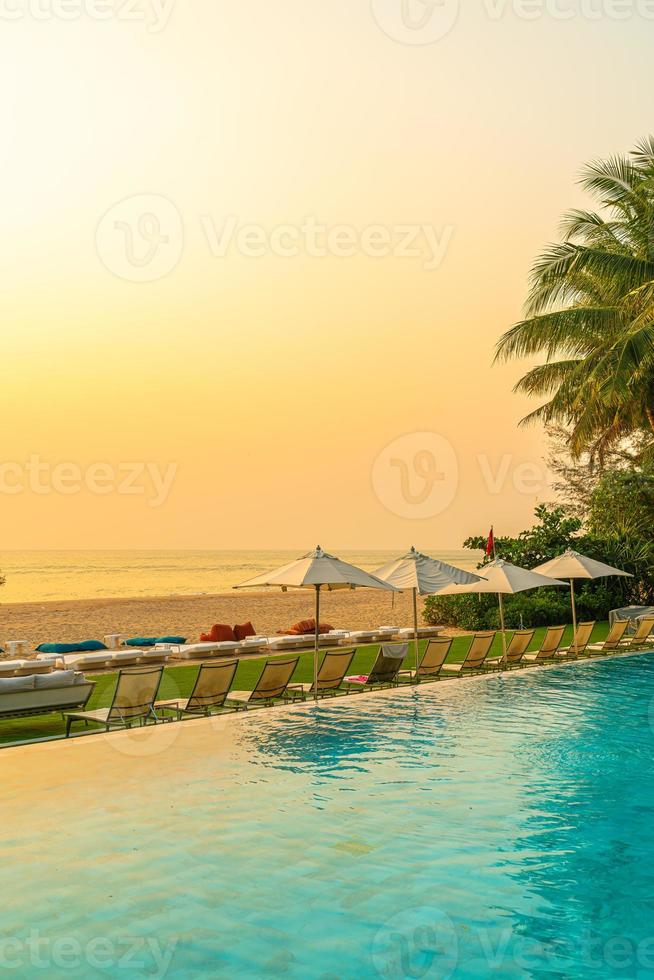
(553, 534)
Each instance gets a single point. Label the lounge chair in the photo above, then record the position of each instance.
(210, 690)
(333, 669)
(641, 637)
(578, 646)
(613, 638)
(385, 669)
(272, 684)
(549, 646)
(133, 701)
(515, 651)
(475, 658)
(430, 663)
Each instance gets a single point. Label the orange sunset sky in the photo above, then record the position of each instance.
(169, 307)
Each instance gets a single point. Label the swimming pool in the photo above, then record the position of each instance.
(495, 827)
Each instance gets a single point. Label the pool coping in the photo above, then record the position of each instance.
(228, 717)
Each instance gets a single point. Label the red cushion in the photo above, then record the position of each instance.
(247, 629)
(218, 634)
(305, 627)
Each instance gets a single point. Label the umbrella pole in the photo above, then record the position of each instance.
(415, 632)
(316, 646)
(574, 611)
(501, 602)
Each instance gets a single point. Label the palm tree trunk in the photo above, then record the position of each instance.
(650, 417)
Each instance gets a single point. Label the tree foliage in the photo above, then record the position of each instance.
(590, 312)
(556, 530)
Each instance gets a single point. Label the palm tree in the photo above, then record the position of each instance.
(590, 311)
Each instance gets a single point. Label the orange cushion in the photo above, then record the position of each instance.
(247, 629)
(305, 627)
(218, 634)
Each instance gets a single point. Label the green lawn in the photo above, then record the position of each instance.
(178, 681)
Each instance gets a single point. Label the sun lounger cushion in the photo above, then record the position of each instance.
(12, 684)
(242, 632)
(193, 651)
(87, 660)
(218, 633)
(7, 665)
(85, 647)
(62, 678)
(150, 641)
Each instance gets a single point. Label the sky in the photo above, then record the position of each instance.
(256, 257)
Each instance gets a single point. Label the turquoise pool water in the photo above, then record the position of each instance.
(470, 830)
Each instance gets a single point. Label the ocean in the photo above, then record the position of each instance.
(38, 576)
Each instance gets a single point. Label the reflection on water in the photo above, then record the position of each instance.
(494, 828)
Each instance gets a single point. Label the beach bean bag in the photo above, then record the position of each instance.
(87, 646)
(242, 632)
(219, 633)
(305, 627)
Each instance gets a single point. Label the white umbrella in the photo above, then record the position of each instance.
(317, 570)
(572, 565)
(423, 575)
(503, 578)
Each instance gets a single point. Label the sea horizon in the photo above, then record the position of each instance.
(48, 575)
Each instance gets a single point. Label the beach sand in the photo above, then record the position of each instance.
(92, 619)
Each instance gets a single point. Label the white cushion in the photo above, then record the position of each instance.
(88, 659)
(13, 664)
(62, 678)
(12, 684)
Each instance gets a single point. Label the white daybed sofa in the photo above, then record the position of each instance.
(39, 694)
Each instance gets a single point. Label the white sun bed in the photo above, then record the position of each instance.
(79, 661)
(21, 668)
(196, 651)
(363, 636)
(153, 655)
(291, 642)
(255, 642)
(424, 632)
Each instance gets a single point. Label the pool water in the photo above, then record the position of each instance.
(494, 827)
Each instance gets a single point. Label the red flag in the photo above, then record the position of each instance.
(490, 544)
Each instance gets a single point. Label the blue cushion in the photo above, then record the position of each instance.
(149, 641)
(86, 646)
